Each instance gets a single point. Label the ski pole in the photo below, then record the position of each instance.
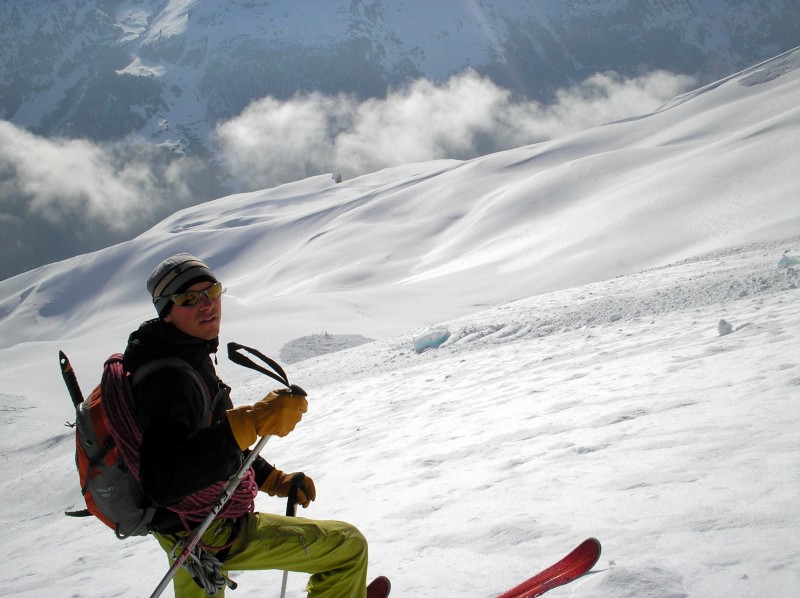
(223, 498)
(291, 511)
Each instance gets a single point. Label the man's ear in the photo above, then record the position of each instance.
(167, 318)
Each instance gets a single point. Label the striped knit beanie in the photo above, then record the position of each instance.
(174, 275)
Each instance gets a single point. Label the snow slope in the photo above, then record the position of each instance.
(585, 389)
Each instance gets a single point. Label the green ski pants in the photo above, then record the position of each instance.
(333, 552)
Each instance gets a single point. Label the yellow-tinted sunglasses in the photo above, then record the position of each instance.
(192, 298)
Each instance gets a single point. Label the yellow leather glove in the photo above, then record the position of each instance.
(277, 413)
(280, 484)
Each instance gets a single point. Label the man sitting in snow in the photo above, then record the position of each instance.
(193, 439)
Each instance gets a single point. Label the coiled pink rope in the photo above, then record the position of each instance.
(124, 428)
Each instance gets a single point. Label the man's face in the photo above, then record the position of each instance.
(201, 320)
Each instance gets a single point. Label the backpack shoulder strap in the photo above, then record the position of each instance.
(160, 364)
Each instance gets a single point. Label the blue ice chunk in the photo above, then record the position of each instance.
(786, 261)
(430, 338)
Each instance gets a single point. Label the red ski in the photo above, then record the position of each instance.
(571, 567)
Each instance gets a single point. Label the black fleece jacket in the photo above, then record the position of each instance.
(187, 443)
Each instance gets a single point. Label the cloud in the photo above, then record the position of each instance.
(61, 197)
(116, 185)
(125, 186)
(273, 141)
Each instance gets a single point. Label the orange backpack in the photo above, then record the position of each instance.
(111, 492)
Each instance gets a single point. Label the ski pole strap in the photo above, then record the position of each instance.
(236, 357)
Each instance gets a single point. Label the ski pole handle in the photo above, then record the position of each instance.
(291, 503)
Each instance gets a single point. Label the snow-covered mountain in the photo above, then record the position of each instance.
(169, 70)
(589, 386)
(715, 167)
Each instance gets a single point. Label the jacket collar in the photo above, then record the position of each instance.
(156, 339)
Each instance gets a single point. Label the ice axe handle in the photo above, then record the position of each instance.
(71, 380)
